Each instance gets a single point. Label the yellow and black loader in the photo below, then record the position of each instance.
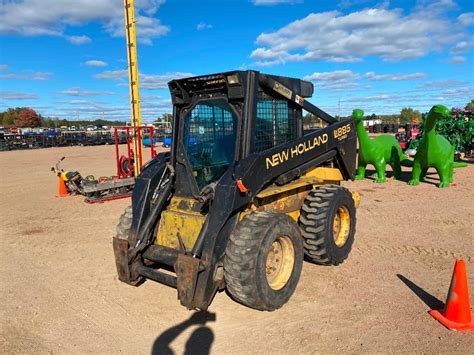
(243, 196)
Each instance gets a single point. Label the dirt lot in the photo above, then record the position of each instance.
(59, 291)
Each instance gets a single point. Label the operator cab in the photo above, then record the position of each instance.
(223, 118)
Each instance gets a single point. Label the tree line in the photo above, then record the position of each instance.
(406, 115)
(26, 117)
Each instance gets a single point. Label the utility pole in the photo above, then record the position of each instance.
(130, 33)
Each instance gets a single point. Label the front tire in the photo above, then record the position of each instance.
(328, 221)
(121, 243)
(263, 260)
(125, 223)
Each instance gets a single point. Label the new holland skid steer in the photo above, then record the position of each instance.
(243, 195)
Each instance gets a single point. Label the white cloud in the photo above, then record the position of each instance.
(203, 26)
(153, 82)
(344, 4)
(33, 18)
(41, 76)
(335, 80)
(460, 47)
(457, 59)
(274, 2)
(383, 97)
(78, 92)
(394, 77)
(11, 95)
(436, 85)
(112, 75)
(79, 40)
(147, 81)
(386, 33)
(27, 75)
(3, 67)
(95, 63)
(466, 19)
(463, 92)
(79, 102)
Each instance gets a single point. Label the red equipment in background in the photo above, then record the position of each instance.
(125, 163)
(404, 138)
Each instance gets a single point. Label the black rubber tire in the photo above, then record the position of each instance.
(125, 223)
(316, 222)
(123, 229)
(246, 256)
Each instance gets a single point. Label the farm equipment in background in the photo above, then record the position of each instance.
(108, 188)
(407, 137)
(95, 190)
(126, 163)
(244, 195)
(167, 142)
(458, 129)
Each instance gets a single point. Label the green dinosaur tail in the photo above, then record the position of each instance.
(458, 164)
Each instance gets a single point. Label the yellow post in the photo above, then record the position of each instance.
(130, 33)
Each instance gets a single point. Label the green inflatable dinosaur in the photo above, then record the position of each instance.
(434, 151)
(378, 152)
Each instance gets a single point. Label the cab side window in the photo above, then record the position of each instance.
(275, 123)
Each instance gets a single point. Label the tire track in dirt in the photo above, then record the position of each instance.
(410, 249)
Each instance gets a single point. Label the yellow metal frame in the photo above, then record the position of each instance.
(180, 217)
(289, 197)
(131, 35)
(183, 220)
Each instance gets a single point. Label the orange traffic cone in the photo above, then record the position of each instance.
(62, 189)
(457, 310)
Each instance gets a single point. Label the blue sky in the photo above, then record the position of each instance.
(67, 58)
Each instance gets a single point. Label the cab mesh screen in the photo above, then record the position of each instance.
(275, 123)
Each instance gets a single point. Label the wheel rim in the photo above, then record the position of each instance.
(280, 261)
(341, 226)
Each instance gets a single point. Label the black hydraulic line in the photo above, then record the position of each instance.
(145, 232)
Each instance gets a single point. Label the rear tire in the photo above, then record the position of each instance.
(328, 221)
(263, 260)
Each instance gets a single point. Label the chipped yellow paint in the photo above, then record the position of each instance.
(181, 216)
(295, 215)
(328, 175)
(356, 198)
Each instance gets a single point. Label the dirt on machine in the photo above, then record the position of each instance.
(244, 195)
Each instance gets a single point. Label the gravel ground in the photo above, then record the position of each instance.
(60, 294)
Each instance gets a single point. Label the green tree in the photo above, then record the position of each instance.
(408, 115)
(9, 117)
(470, 106)
(166, 117)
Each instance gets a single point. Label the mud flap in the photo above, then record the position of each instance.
(187, 269)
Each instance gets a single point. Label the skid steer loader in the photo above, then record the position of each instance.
(243, 196)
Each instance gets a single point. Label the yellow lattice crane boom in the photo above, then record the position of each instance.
(130, 33)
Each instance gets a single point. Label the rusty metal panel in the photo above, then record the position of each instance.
(180, 218)
(187, 269)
